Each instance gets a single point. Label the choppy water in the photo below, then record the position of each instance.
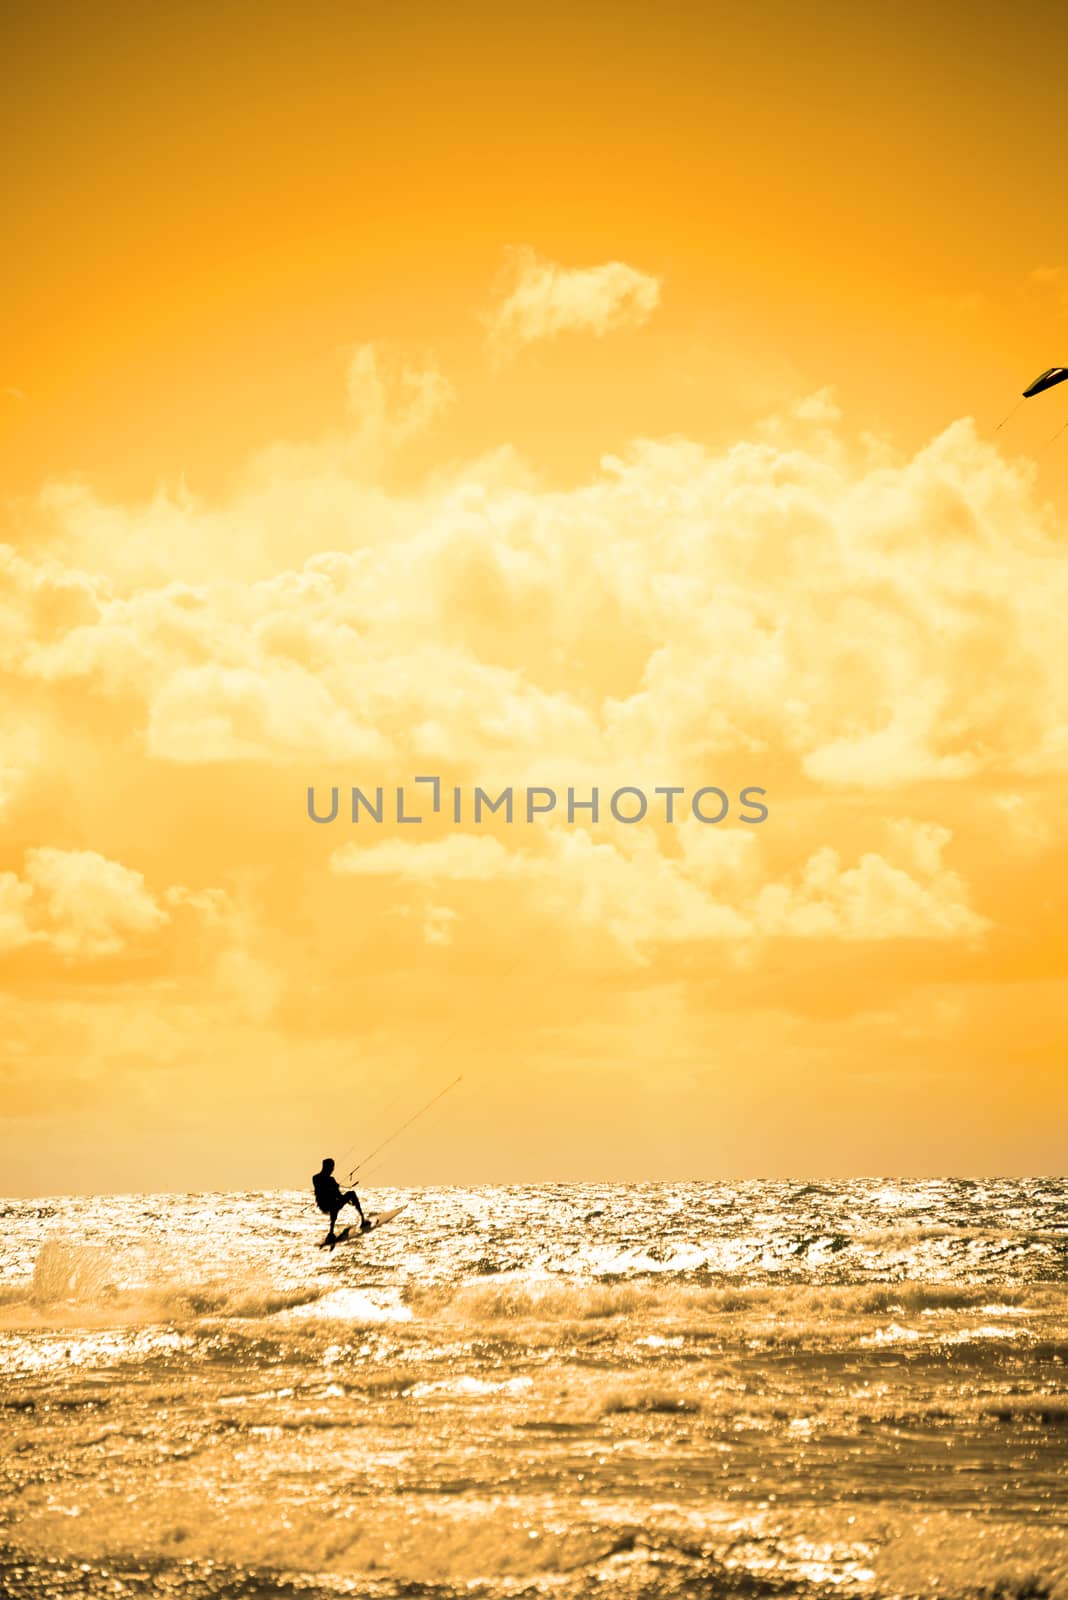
(693, 1390)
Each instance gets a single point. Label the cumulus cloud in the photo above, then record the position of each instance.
(541, 299)
(81, 905)
(869, 623)
(641, 898)
(93, 906)
(874, 900)
(829, 619)
(77, 903)
(875, 637)
(217, 713)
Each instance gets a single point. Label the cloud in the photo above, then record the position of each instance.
(217, 713)
(77, 903)
(15, 930)
(83, 906)
(876, 899)
(457, 858)
(20, 754)
(869, 623)
(875, 637)
(1021, 822)
(541, 299)
(640, 898)
(392, 403)
(860, 632)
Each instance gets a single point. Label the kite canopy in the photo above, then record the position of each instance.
(1046, 380)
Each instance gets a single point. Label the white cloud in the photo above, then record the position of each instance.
(15, 931)
(796, 612)
(392, 404)
(1022, 821)
(460, 857)
(874, 900)
(90, 906)
(217, 713)
(81, 905)
(542, 299)
(640, 898)
(875, 623)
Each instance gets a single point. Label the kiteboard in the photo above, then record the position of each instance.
(373, 1220)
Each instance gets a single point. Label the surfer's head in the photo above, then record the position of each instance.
(328, 1163)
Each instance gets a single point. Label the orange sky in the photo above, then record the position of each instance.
(531, 396)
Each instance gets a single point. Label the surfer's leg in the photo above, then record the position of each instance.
(353, 1199)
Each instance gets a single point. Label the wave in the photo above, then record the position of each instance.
(512, 1545)
(544, 1297)
(767, 1252)
(356, 1308)
(76, 1286)
(645, 1400)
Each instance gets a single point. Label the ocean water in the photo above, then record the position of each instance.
(756, 1389)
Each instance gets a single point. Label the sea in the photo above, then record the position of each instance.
(560, 1391)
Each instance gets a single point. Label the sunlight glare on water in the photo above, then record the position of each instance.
(691, 1390)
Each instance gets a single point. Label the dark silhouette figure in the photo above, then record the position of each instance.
(329, 1198)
